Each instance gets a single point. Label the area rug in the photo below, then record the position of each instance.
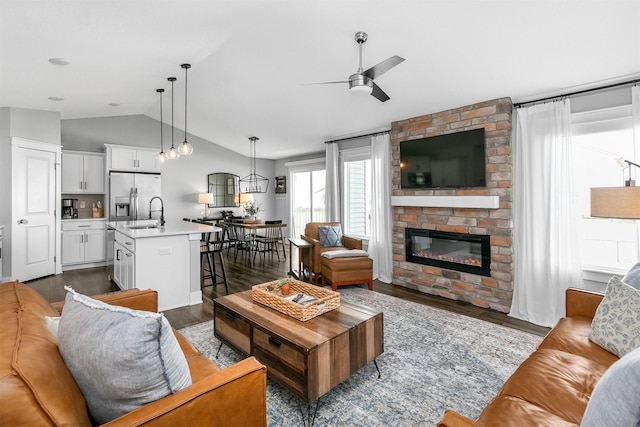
(433, 360)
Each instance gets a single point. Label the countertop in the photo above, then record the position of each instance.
(169, 229)
(83, 219)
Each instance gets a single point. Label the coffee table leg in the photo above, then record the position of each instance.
(308, 421)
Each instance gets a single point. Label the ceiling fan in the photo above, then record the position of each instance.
(363, 81)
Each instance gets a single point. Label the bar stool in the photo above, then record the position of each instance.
(212, 244)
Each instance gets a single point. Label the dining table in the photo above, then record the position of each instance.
(251, 229)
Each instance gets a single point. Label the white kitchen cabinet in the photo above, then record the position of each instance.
(124, 262)
(82, 173)
(83, 242)
(132, 159)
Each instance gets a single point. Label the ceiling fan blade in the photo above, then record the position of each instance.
(384, 66)
(327, 83)
(379, 93)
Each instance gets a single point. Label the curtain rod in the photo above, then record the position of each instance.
(580, 92)
(358, 136)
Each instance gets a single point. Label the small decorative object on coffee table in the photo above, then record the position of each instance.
(313, 302)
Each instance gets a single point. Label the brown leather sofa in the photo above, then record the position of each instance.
(37, 389)
(553, 386)
(311, 259)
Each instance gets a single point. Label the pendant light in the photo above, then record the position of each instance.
(253, 183)
(173, 151)
(161, 157)
(185, 148)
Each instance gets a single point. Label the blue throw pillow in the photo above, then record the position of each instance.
(330, 236)
(121, 358)
(614, 400)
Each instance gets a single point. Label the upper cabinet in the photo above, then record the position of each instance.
(132, 159)
(82, 173)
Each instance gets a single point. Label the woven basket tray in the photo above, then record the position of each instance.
(327, 299)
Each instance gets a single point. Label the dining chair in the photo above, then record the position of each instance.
(268, 241)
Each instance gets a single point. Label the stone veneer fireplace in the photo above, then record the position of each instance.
(492, 286)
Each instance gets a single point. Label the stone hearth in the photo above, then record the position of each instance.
(492, 292)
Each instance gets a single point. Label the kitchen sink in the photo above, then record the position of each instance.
(142, 227)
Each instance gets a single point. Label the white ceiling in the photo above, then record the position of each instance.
(252, 60)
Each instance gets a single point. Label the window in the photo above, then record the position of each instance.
(356, 204)
(308, 201)
(599, 139)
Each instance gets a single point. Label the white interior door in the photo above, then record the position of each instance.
(33, 246)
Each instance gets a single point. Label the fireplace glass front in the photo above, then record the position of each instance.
(469, 253)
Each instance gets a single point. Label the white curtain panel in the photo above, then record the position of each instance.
(635, 111)
(380, 241)
(546, 259)
(332, 182)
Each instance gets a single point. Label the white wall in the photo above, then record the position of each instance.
(182, 179)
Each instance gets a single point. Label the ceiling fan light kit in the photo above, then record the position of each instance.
(360, 84)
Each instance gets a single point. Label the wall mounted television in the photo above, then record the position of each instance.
(454, 160)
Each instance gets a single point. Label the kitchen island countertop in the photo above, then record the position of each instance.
(169, 229)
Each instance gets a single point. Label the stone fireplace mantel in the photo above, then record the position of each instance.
(471, 202)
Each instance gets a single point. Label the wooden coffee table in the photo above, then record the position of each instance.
(307, 358)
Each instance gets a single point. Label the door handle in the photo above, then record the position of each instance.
(117, 254)
(23, 221)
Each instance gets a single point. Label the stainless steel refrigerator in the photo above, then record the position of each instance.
(130, 193)
(129, 196)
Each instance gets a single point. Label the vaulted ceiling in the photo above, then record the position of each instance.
(252, 61)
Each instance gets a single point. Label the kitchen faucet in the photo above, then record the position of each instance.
(161, 209)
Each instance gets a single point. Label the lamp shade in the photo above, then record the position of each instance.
(205, 198)
(615, 202)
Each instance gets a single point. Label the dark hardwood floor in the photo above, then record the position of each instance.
(241, 277)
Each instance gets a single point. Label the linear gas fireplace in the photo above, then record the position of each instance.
(469, 253)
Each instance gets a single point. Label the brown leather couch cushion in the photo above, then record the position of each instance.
(33, 376)
(571, 334)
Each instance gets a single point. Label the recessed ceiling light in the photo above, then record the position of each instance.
(59, 61)
(56, 98)
(114, 104)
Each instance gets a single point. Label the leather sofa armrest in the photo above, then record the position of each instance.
(351, 242)
(135, 299)
(235, 396)
(582, 303)
(453, 419)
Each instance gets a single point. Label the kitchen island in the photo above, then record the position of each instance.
(164, 258)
